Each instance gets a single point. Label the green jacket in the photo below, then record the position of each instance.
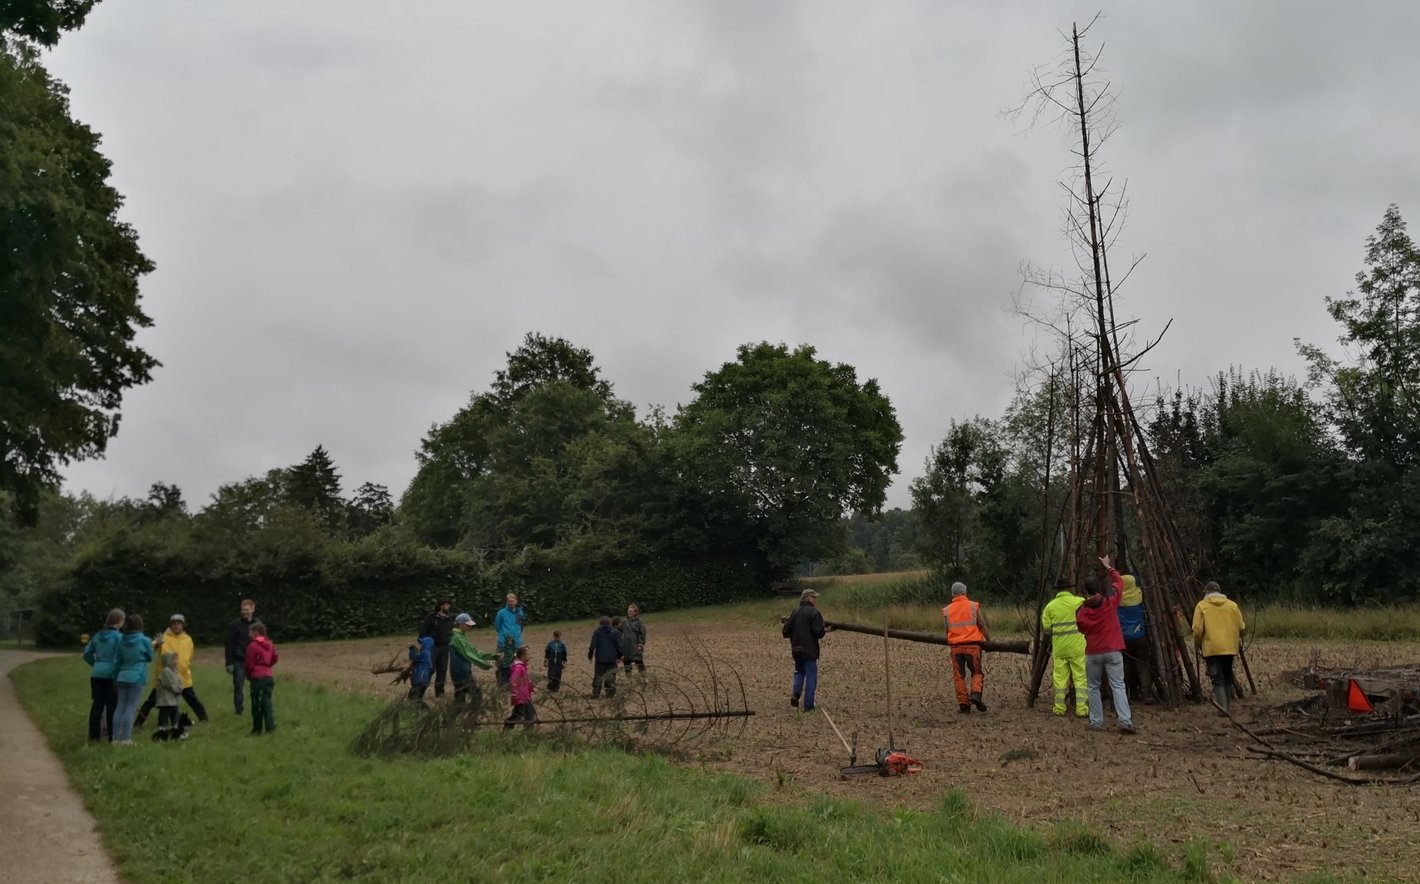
(633, 638)
(1058, 622)
(464, 654)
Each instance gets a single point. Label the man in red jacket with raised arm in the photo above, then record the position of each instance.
(1098, 619)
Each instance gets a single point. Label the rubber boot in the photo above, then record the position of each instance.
(977, 702)
(963, 708)
(1224, 698)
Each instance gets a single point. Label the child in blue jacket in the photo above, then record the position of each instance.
(421, 654)
(102, 656)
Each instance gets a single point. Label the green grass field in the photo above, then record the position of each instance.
(297, 806)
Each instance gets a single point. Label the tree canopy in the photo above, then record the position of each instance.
(69, 275)
(790, 444)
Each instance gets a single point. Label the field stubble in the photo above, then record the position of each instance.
(1187, 775)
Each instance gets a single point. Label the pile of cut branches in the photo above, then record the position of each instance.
(1322, 734)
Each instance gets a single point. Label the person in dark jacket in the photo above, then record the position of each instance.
(101, 654)
(605, 654)
(804, 629)
(238, 637)
(554, 657)
(439, 626)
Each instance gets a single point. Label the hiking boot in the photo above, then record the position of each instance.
(1127, 730)
(964, 708)
(976, 701)
(794, 701)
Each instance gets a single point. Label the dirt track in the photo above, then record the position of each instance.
(48, 835)
(1186, 775)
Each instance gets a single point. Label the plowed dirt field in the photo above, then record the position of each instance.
(1186, 775)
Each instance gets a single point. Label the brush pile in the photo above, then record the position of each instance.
(1363, 720)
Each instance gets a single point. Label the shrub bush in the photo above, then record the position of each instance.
(377, 586)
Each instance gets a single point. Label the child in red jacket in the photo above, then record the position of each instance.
(520, 691)
(261, 656)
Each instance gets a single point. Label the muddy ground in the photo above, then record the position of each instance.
(1186, 775)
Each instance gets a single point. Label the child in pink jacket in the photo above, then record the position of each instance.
(520, 690)
(261, 656)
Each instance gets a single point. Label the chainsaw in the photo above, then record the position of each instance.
(888, 762)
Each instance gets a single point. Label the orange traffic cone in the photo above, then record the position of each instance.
(1356, 699)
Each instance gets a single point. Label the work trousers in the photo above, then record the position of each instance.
(126, 709)
(1220, 671)
(805, 681)
(967, 658)
(188, 694)
(263, 713)
(468, 692)
(1138, 678)
(522, 712)
(1068, 669)
(1098, 667)
(239, 677)
(103, 699)
(441, 668)
(604, 675)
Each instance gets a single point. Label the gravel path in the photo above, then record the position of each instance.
(49, 836)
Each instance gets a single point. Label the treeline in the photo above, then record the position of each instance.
(545, 484)
(1282, 489)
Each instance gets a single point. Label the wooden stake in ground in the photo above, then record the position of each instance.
(887, 671)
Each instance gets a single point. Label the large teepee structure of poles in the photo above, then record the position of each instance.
(1115, 504)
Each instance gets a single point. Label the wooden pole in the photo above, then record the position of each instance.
(926, 638)
(887, 673)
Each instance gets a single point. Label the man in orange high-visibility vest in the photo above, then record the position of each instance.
(966, 630)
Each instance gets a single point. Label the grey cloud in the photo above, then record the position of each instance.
(355, 214)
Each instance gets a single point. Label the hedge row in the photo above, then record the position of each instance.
(361, 589)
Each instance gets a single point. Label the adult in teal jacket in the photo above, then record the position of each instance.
(135, 652)
(508, 623)
(101, 653)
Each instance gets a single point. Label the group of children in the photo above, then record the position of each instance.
(120, 657)
(615, 641)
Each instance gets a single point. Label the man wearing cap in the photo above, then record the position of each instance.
(174, 641)
(1067, 646)
(463, 657)
(439, 626)
(966, 630)
(804, 629)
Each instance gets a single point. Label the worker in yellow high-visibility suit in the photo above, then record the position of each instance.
(1067, 646)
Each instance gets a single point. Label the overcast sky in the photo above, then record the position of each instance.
(356, 209)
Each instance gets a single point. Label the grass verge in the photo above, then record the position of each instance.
(297, 806)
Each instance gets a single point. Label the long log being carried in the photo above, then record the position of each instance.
(927, 638)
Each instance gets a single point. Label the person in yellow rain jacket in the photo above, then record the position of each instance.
(174, 641)
(1067, 646)
(1217, 630)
